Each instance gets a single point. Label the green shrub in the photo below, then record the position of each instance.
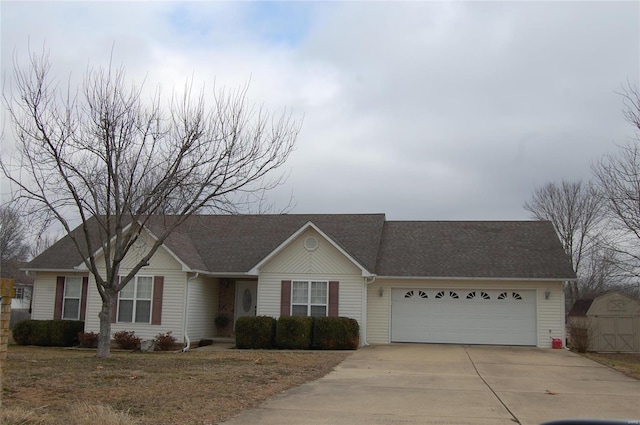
(335, 333)
(126, 340)
(294, 332)
(22, 332)
(165, 342)
(48, 333)
(257, 332)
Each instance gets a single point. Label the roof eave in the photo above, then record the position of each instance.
(52, 270)
(224, 274)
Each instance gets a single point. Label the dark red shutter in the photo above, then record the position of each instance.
(83, 300)
(57, 310)
(285, 298)
(333, 298)
(156, 309)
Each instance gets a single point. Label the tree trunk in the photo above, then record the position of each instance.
(104, 340)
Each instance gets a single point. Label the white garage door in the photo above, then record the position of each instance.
(464, 316)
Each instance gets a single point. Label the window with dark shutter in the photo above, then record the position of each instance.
(158, 287)
(285, 298)
(333, 298)
(57, 311)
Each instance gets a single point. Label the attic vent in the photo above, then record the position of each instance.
(311, 243)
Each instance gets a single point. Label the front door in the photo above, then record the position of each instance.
(246, 298)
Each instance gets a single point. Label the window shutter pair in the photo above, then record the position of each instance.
(57, 310)
(156, 302)
(285, 298)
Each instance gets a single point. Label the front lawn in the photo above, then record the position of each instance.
(198, 387)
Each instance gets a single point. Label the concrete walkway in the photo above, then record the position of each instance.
(453, 384)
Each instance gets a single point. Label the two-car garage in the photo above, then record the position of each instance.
(464, 316)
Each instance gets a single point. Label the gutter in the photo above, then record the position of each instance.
(364, 307)
(187, 342)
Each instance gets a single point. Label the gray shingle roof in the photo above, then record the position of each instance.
(236, 243)
(63, 254)
(488, 249)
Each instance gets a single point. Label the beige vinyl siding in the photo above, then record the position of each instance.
(325, 259)
(161, 259)
(324, 263)
(44, 294)
(378, 313)
(161, 264)
(203, 302)
(549, 312)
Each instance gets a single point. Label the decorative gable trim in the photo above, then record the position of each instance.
(255, 270)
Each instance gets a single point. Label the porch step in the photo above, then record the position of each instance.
(214, 344)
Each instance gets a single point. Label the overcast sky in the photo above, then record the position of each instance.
(420, 110)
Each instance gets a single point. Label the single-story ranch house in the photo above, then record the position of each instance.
(484, 282)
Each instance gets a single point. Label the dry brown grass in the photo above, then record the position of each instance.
(151, 388)
(79, 414)
(627, 363)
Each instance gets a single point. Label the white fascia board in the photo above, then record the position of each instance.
(74, 270)
(224, 274)
(505, 279)
(255, 269)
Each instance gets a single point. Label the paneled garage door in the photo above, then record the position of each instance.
(464, 316)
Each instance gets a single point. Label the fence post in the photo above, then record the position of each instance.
(7, 292)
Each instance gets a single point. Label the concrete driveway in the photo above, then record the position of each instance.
(454, 384)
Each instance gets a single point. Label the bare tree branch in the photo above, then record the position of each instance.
(577, 213)
(107, 159)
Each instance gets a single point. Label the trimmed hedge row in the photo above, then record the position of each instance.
(297, 333)
(48, 333)
(255, 332)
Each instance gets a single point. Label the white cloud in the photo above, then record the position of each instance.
(423, 110)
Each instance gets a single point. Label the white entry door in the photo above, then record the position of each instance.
(464, 316)
(246, 298)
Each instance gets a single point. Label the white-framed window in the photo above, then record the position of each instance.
(72, 295)
(309, 298)
(134, 301)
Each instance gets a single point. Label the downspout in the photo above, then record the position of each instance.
(364, 306)
(187, 342)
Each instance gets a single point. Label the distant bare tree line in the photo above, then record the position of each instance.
(598, 221)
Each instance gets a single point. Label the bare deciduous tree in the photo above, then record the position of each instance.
(112, 162)
(618, 177)
(576, 211)
(12, 236)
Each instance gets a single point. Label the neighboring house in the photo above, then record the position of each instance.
(413, 281)
(611, 319)
(22, 282)
(22, 300)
